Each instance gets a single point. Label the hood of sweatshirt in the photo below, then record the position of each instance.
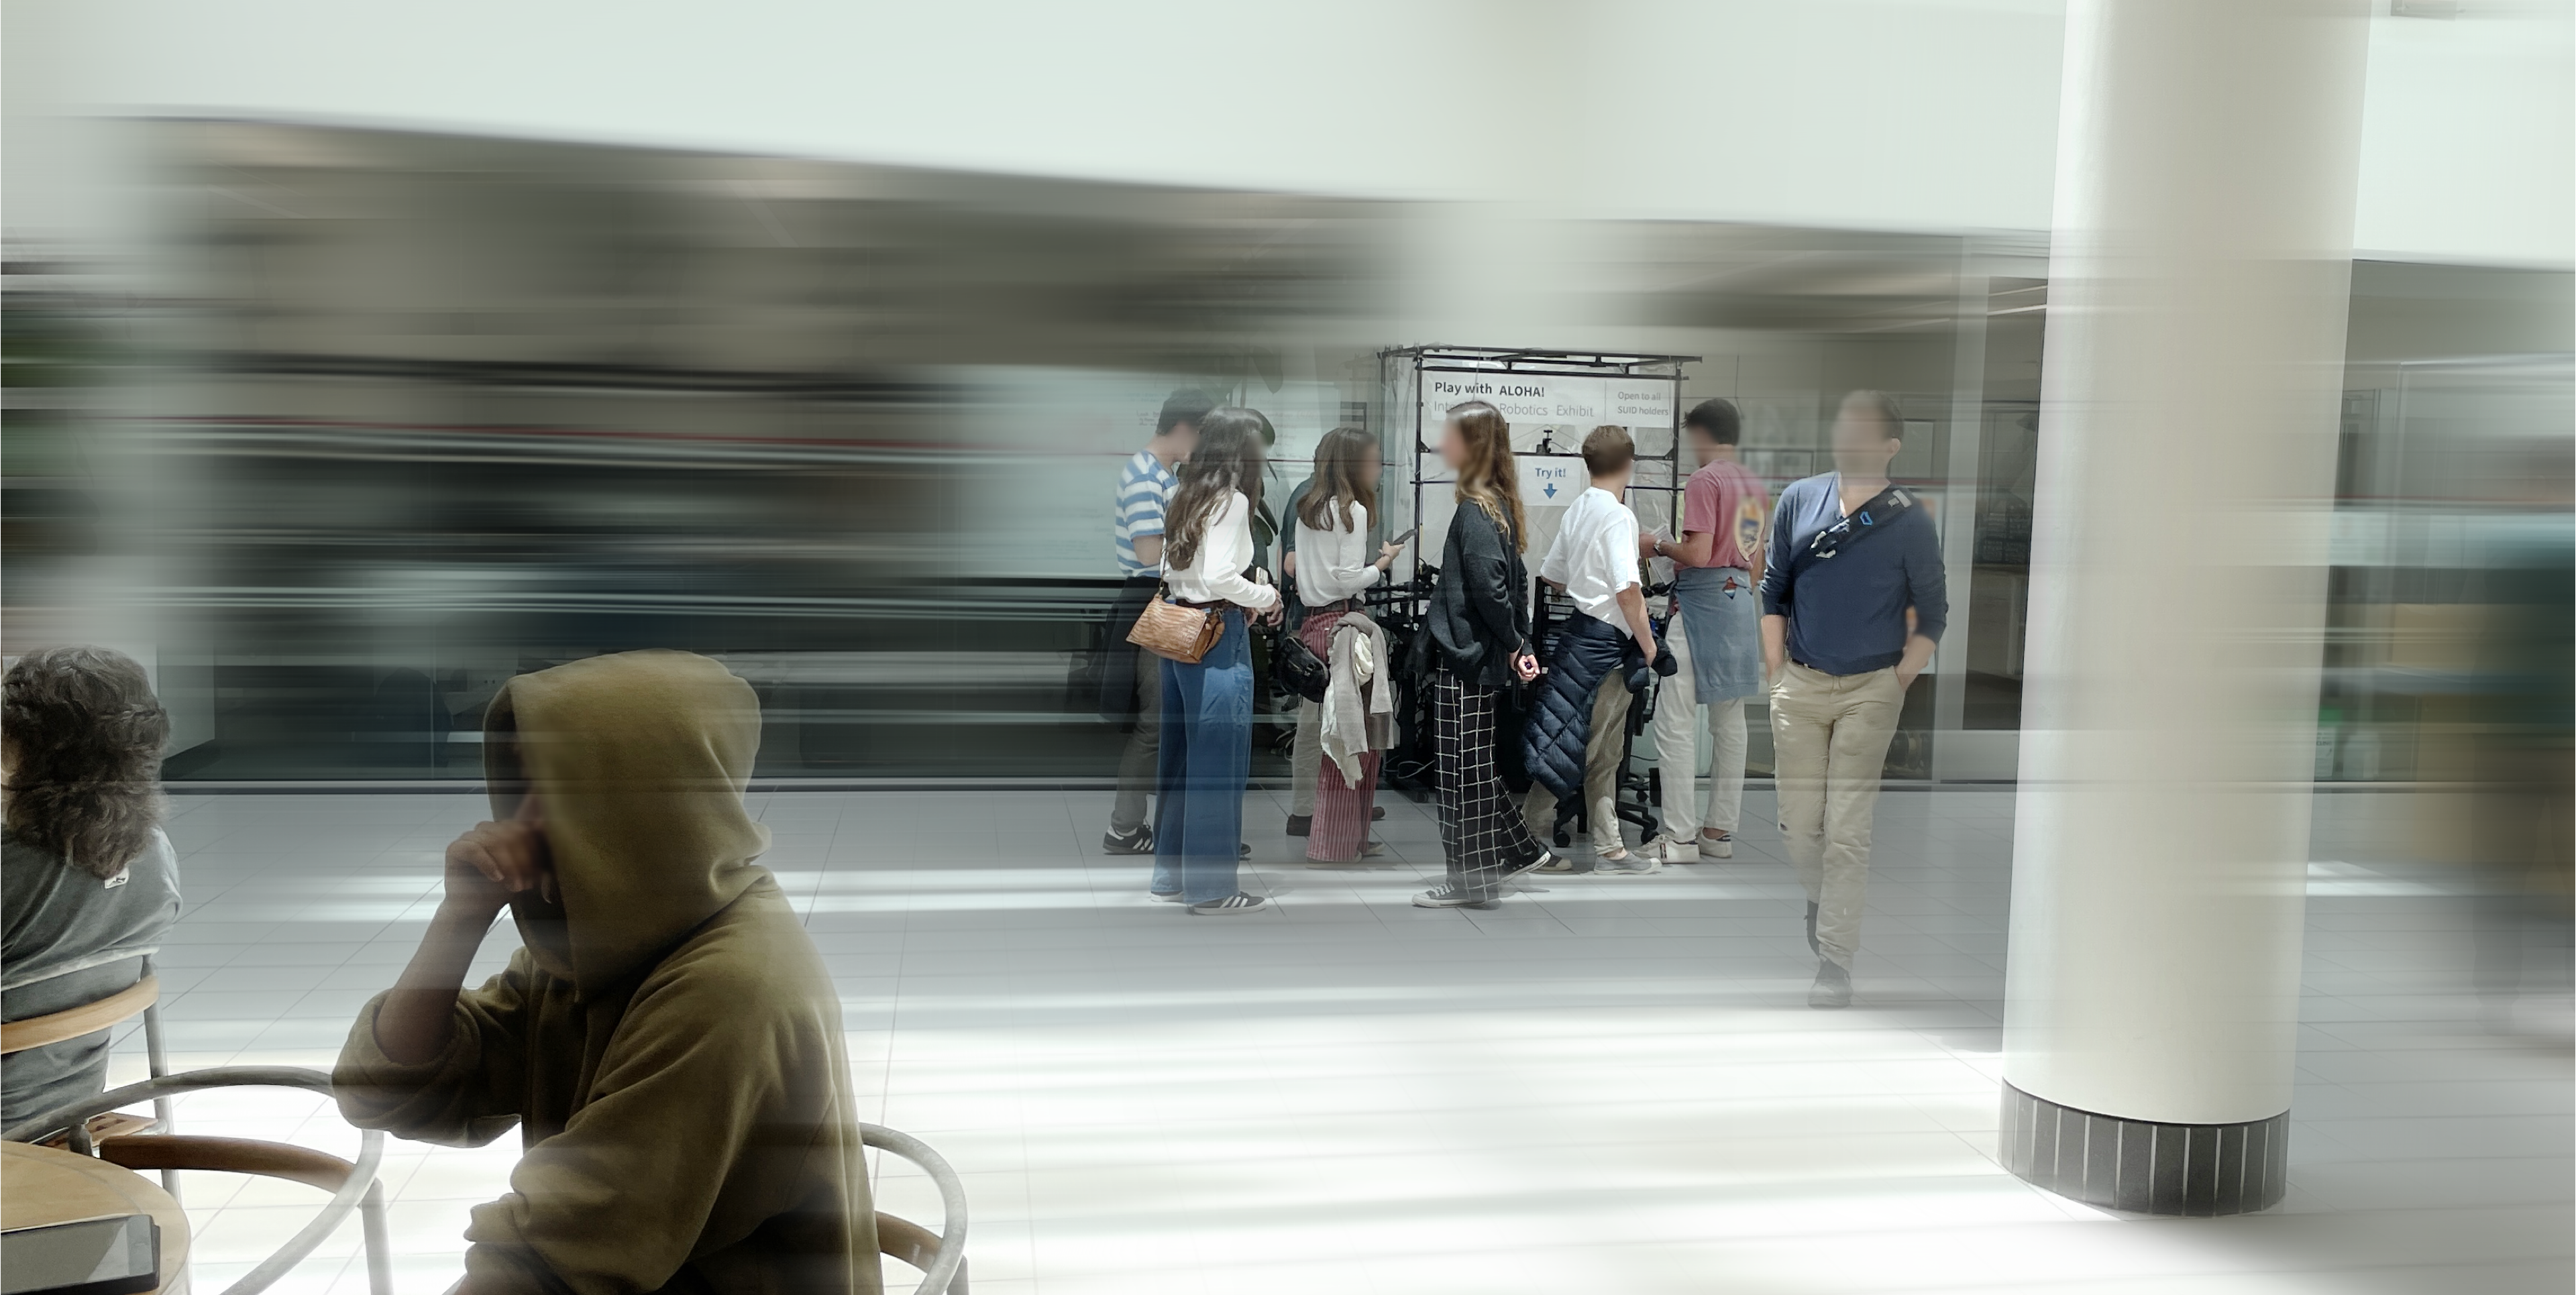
(639, 760)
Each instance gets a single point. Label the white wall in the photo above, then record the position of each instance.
(1909, 114)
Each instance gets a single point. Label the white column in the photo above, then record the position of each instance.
(2198, 284)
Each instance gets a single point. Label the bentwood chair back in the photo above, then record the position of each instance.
(142, 998)
(941, 1256)
(352, 1186)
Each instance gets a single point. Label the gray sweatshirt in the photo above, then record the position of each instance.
(68, 938)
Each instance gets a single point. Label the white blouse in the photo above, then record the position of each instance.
(1215, 572)
(1335, 564)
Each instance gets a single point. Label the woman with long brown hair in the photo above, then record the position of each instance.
(1333, 569)
(1474, 644)
(1207, 703)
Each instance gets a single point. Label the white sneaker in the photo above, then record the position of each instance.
(1720, 846)
(1664, 849)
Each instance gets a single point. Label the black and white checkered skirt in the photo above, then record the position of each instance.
(1481, 829)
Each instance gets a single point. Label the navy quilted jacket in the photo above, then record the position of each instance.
(1584, 653)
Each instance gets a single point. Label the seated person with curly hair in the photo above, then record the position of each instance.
(89, 882)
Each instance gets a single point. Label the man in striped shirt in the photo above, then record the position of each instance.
(1132, 688)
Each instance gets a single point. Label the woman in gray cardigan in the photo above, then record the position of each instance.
(1474, 644)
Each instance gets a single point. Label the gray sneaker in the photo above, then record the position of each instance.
(1232, 905)
(1631, 864)
(1450, 894)
(1833, 985)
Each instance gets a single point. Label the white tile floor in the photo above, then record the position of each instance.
(1607, 1086)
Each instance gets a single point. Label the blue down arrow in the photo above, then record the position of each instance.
(1550, 490)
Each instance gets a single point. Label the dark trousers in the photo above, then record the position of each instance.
(1481, 832)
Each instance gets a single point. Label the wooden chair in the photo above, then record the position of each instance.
(352, 1186)
(142, 998)
(940, 1256)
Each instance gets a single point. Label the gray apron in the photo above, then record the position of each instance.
(1721, 612)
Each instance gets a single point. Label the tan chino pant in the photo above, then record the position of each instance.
(1601, 752)
(1829, 736)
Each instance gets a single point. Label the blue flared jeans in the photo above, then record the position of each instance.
(1206, 755)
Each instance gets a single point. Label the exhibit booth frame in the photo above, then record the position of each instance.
(1552, 399)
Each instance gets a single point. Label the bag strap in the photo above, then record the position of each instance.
(1872, 517)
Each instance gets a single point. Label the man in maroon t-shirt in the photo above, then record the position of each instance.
(1716, 633)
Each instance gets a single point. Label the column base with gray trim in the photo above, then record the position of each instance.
(2140, 1165)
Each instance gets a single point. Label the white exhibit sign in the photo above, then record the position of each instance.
(1640, 402)
(1528, 401)
(1550, 482)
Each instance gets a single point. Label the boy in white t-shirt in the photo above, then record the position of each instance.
(1594, 562)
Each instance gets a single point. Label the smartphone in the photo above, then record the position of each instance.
(116, 1255)
(1406, 536)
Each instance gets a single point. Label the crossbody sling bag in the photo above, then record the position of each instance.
(1869, 519)
(1856, 527)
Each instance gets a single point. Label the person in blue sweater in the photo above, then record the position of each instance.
(1852, 603)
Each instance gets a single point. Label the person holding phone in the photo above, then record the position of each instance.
(1207, 703)
(1334, 567)
(1474, 644)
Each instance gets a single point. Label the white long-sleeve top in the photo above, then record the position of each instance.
(1215, 572)
(1335, 564)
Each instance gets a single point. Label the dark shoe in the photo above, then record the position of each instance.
(1812, 946)
(1833, 985)
(1301, 824)
(1377, 813)
(1243, 850)
(1140, 841)
(1547, 861)
(1230, 906)
(1450, 894)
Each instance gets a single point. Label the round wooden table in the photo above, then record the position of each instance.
(40, 1185)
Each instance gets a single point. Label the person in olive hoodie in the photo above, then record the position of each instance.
(666, 1040)
(1474, 644)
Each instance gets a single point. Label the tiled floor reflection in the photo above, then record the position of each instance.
(1605, 1086)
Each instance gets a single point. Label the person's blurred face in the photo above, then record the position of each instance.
(545, 903)
(1453, 445)
(1703, 446)
(1863, 442)
(1185, 438)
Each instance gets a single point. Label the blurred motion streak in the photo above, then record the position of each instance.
(380, 419)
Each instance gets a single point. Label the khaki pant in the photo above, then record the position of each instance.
(1600, 771)
(1676, 725)
(1306, 762)
(1829, 736)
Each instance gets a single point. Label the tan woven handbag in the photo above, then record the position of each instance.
(1176, 633)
